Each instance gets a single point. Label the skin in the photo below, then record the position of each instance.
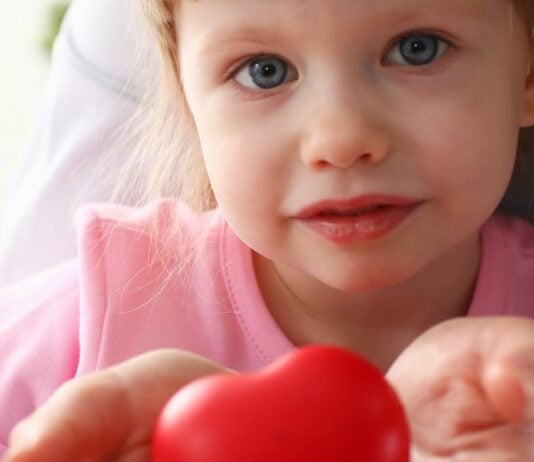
(473, 401)
(343, 129)
(354, 118)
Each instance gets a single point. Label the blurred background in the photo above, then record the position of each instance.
(27, 32)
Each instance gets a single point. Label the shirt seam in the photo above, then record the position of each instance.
(233, 299)
(103, 279)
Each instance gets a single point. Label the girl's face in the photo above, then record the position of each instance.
(321, 104)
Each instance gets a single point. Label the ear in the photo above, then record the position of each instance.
(528, 98)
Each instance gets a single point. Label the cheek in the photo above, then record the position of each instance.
(248, 181)
(467, 144)
(245, 162)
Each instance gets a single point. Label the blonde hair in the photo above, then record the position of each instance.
(167, 160)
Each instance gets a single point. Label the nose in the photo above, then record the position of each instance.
(340, 133)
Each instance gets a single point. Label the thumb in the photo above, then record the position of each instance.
(109, 412)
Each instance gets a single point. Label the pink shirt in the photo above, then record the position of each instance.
(120, 299)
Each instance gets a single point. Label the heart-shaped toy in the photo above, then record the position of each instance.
(317, 404)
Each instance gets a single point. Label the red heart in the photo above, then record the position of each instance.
(318, 404)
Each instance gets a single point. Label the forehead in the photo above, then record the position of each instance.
(214, 22)
(303, 14)
(468, 8)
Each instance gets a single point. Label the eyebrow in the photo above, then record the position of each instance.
(402, 11)
(214, 40)
(474, 9)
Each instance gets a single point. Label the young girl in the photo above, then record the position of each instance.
(356, 153)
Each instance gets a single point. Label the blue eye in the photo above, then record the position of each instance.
(419, 49)
(264, 73)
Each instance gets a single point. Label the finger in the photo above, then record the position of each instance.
(463, 376)
(478, 348)
(151, 381)
(505, 347)
(506, 392)
(113, 411)
(509, 374)
(87, 417)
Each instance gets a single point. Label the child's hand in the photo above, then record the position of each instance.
(107, 416)
(468, 388)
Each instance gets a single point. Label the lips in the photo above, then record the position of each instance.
(361, 219)
(354, 207)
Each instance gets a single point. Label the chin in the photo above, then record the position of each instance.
(366, 282)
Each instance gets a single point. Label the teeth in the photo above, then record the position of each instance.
(356, 212)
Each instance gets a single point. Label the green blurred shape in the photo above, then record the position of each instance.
(53, 24)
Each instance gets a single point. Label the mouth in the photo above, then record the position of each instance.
(355, 207)
(357, 220)
(353, 212)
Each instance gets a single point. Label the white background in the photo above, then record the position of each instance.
(23, 71)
